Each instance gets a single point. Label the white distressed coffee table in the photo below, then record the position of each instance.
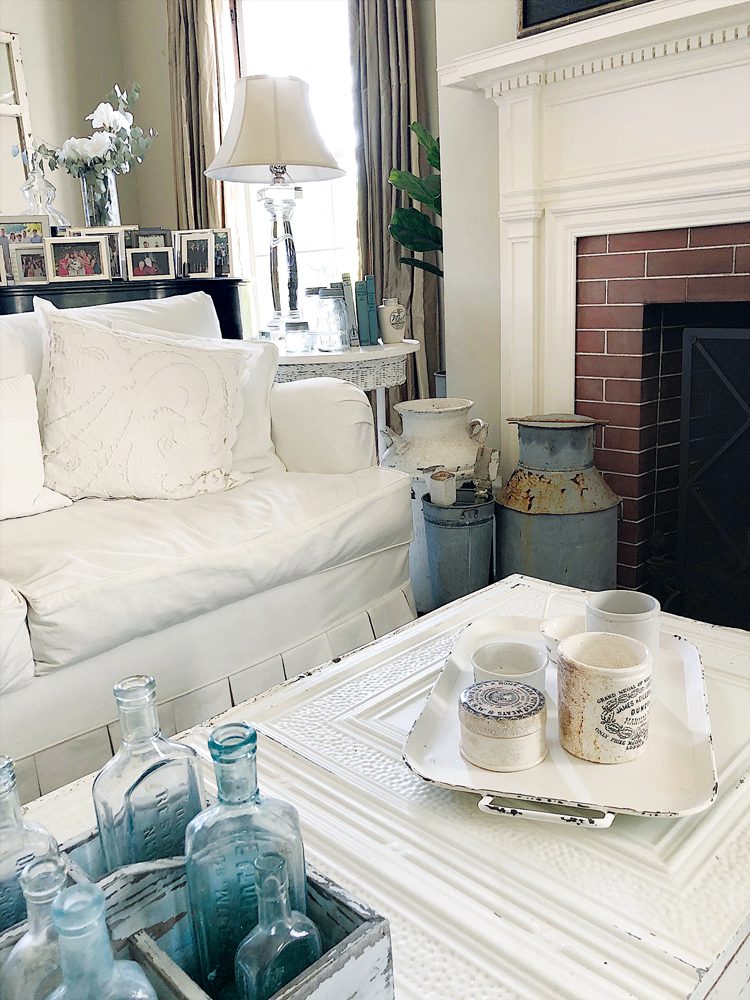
(486, 907)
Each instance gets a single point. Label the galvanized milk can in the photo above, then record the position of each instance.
(556, 517)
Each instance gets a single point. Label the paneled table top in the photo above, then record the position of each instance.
(487, 907)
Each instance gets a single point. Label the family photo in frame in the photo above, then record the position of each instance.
(150, 263)
(83, 258)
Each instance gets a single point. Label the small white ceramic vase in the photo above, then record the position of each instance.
(604, 696)
(392, 321)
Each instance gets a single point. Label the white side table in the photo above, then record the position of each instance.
(375, 368)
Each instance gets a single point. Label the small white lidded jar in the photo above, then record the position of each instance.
(503, 725)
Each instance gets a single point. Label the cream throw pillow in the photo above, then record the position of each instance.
(125, 415)
(22, 491)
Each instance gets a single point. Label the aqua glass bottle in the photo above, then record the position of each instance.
(283, 943)
(221, 845)
(148, 793)
(21, 842)
(89, 969)
(32, 969)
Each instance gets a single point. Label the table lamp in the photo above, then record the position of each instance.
(272, 136)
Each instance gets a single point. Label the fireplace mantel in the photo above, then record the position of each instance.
(632, 121)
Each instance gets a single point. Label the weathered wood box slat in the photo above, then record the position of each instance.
(149, 920)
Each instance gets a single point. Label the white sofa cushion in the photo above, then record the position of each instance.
(22, 490)
(101, 573)
(253, 451)
(22, 338)
(125, 415)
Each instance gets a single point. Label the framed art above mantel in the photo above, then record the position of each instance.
(543, 15)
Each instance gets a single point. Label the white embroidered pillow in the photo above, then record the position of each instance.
(125, 415)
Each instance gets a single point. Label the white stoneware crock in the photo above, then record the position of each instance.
(604, 696)
(625, 612)
(510, 661)
(502, 725)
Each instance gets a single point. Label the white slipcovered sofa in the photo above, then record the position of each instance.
(219, 596)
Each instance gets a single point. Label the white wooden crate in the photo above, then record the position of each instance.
(148, 915)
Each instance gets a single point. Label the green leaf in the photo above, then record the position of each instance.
(428, 142)
(422, 264)
(425, 190)
(413, 230)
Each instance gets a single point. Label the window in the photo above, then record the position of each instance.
(308, 39)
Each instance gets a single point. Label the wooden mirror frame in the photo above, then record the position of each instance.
(19, 111)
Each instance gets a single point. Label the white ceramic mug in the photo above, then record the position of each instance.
(554, 630)
(625, 612)
(510, 661)
(604, 696)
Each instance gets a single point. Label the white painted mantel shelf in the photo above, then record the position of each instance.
(634, 120)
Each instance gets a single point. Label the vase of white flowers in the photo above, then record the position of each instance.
(114, 147)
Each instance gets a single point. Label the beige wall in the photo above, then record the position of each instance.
(469, 157)
(73, 51)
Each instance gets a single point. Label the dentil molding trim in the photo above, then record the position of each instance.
(644, 34)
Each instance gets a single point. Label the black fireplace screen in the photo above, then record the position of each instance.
(713, 544)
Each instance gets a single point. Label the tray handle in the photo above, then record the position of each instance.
(546, 813)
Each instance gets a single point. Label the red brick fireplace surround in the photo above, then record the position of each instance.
(628, 364)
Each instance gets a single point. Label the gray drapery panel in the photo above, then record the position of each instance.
(387, 99)
(197, 41)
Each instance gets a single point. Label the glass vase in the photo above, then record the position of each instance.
(21, 842)
(221, 845)
(32, 969)
(89, 969)
(283, 943)
(147, 794)
(40, 194)
(101, 206)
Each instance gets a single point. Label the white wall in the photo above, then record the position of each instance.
(469, 156)
(73, 51)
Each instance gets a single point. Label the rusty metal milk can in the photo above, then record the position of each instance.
(556, 517)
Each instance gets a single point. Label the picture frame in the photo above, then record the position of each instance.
(197, 254)
(86, 256)
(31, 229)
(115, 236)
(544, 15)
(3, 273)
(222, 253)
(141, 238)
(27, 260)
(144, 263)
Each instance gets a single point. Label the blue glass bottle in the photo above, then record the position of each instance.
(221, 845)
(148, 793)
(283, 943)
(32, 970)
(20, 843)
(89, 969)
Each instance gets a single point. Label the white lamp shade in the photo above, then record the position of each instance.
(272, 123)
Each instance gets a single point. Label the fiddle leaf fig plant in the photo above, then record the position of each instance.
(411, 227)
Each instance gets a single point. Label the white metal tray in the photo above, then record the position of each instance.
(675, 776)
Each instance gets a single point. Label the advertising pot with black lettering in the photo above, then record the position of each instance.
(604, 696)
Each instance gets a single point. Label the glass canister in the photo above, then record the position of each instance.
(299, 338)
(311, 310)
(333, 329)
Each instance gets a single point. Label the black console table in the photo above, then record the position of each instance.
(230, 296)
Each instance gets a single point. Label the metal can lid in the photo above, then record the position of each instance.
(502, 709)
(330, 293)
(557, 421)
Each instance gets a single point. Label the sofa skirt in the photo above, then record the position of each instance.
(61, 726)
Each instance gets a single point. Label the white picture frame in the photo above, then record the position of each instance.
(32, 228)
(3, 275)
(95, 246)
(223, 238)
(17, 255)
(115, 236)
(158, 257)
(187, 266)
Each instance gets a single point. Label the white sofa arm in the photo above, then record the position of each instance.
(16, 660)
(322, 425)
